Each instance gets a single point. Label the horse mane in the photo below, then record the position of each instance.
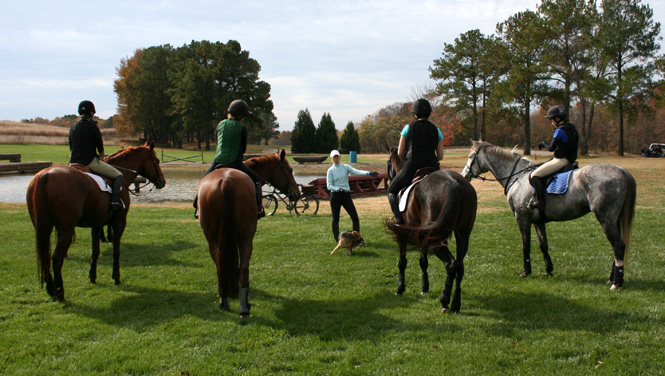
(261, 161)
(500, 152)
(123, 153)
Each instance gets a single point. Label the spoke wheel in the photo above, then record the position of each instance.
(307, 204)
(269, 204)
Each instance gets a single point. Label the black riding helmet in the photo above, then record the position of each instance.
(421, 108)
(86, 108)
(238, 108)
(556, 111)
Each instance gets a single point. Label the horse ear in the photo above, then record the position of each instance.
(152, 145)
(282, 155)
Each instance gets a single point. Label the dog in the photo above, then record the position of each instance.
(349, 240)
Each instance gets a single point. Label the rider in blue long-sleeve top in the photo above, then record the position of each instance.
(337, 181)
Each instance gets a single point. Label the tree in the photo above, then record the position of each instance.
(350, 140)
(326, 135)
(303, 136)
(467, 74)
(525, 81)
(627, 38)
(269, 128)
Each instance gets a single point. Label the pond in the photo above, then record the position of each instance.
(180, 187)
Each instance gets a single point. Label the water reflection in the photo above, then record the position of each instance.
(180, 187)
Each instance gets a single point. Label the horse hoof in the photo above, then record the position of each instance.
(445, 310)
(549, 275)
(615, 287)
(524, 274)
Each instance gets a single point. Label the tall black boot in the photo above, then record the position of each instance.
(538, 201)
(393, 200)
(259, 200)
(115, 191)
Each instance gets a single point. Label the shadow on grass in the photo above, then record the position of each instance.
(539, 311)
(134, 254)
(350, 319)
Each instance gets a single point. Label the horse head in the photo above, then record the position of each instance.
(275, 169)
(141, 159)
(394, 163)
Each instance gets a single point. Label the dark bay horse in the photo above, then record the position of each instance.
(609, 191)
(66, 198)
(443, 203)
(228, 218)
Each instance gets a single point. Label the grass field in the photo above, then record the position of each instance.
(315, 314)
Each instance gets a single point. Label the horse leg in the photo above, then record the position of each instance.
(525, 231)
(619, 247)
(542, 240)
(117, 235)
(246, 254)
(424, 264)
(64, 241)
(443, 253)
(401, 265)
(97, 233)
(462, 245)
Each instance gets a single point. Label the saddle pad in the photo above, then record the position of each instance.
(100, 182)
(404, 194)
(559, 184)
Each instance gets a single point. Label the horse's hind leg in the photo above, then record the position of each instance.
(97, 233)
(64, 241)
(541, 231)
(246, 254)
(525, 231)
(118, 230)
(401, 266)
(443, 253)
(619, 247)
(424, 264)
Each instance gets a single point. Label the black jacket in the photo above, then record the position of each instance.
(85, 142)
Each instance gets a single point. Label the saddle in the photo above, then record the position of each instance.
(103, 182)
(557, 183)
(403, 195)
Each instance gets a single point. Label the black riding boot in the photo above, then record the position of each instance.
(115, 191)
(538, 202)
(394, 206)
(259, 199)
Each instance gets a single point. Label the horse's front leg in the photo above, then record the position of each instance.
(97, 233)
(424, 264)
(401, 266)
(619, 247)
(525, 231)
(542, 240)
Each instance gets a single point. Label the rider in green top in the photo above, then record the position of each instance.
(231, 146)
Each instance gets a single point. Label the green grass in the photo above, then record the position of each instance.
(318, 314)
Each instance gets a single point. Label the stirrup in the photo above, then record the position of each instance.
(534, 203)
(116, 205)
(261, 214)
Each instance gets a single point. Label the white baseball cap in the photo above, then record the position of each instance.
(334, 153)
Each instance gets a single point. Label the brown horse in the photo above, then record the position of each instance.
(66, 198)
(441, 204)
(228, 218)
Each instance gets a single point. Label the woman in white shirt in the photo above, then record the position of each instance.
(340, 192)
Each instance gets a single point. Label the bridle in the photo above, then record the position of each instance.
(155, 168)
(472, 160)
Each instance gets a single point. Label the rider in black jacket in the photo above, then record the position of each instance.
(564, 145)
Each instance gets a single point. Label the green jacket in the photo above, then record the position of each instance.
(231, 141)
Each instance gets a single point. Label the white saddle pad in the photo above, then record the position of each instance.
(100, 182)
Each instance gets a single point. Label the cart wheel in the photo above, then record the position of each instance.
(307, 204)
(269, 204)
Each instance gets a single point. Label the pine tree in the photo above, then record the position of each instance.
(350, 140)
(303, 135)
(326, 135)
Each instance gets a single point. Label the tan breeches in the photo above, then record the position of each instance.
(550, 167)
(104, 169)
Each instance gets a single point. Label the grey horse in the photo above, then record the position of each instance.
(607, 190)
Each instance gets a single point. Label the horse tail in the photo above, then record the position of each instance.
(38, 206)
(627, 214)
(228, 257)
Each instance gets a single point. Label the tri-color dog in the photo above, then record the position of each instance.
(349, 240)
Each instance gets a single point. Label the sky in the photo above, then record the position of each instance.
(348, 58)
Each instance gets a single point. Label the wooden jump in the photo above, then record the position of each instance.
(360, 186)
(23, 167)
(10, 157)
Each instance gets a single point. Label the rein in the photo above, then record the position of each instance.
(507, 178)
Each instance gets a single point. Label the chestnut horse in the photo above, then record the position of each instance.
(66, 198)
(443, 203)
(228, 218)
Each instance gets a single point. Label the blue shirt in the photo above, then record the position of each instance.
(338, 177)
(405, 131)
(561, 135)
